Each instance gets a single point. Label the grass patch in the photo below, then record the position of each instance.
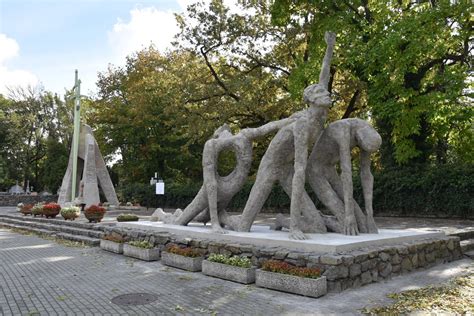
(453, 297)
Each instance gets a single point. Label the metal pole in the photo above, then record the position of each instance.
(77, 131)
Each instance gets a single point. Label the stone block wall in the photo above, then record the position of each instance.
(13, 200)
(343, 270)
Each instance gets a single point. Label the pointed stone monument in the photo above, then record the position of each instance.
(86, 170)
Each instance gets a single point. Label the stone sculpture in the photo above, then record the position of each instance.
(217, 191)
(94, 173)
(334, 191)
(286, 158)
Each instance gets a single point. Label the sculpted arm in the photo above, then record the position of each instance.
(330, 38)
(252, 133)
(367, 187)
(350, 225)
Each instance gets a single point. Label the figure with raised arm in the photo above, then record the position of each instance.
(286, 158)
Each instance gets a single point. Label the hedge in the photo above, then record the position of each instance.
(441, 191)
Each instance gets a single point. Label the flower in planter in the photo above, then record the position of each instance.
(70, 212)
(37, 209)
(286, 268)
(127, 218)
(114, 237)
(19, 206)
(51, 210)
(94, 213)
(183, 251)
(141, 244)
(26, 209)
(242, 262)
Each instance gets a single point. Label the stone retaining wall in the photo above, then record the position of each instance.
(345, 270)
(13, 200)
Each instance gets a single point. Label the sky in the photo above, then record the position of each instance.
(44, 41)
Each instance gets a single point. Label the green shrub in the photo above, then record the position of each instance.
(441, 191)
(141, 244)
(236, 261)
(127, 218)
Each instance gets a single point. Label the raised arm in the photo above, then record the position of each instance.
(330, 38)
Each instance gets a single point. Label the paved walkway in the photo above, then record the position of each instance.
(40, 277)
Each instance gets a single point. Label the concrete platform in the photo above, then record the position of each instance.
(262, 236)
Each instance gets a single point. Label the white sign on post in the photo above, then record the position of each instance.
(160, 188)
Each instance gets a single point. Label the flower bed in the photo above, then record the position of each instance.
(185, 258)
(281, 276)
(94, 213)
(237, 269)
(70, 212)
(141, 250)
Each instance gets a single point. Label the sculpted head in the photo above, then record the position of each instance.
(222, 131)
(317, 95)
(368, 139)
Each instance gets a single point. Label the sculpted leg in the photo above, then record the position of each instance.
(258, 195)
(198, 204)
(311, 221)
(326, 194)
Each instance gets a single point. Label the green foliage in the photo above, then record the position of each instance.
(127, 218)
(444, 191)
(141, 244)
(236, 261)
(70, 212)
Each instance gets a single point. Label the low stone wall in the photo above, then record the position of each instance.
(13, 200)
(343, 271)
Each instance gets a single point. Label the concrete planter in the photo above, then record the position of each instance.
(228, 272)
(111, 246)
(152, 254)
(291, 284)
(181, 262)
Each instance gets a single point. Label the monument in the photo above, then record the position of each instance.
(286, 162)
(86, 169)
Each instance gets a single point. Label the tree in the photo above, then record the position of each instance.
(411, 59)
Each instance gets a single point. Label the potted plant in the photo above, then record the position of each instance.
(37, 209)
(112, 242)
(51, 210)
(237, 269)
(19, 206)
(26, 209)
(282, 276)
(185, 258)
(142, 250)
(70, 212)
(94, 213)
(127, 218)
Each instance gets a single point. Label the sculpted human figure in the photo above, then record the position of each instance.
(286, 157)
(216, 191)
(334, 191)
